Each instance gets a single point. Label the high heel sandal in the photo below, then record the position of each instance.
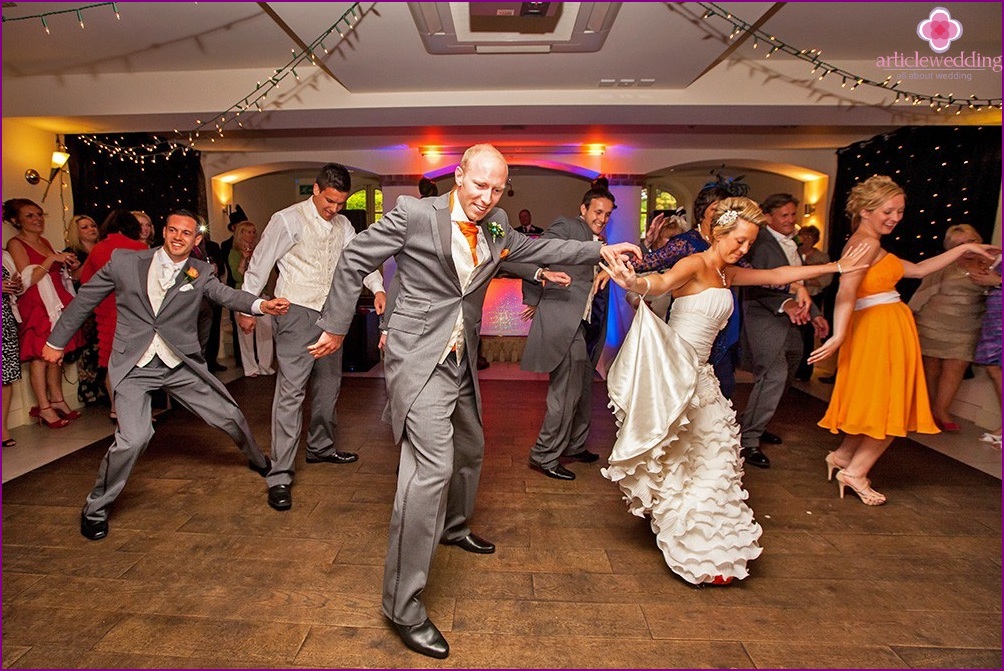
(36, 413)
(65, 414)
(868, 496)
(9, 442)
(831, 465)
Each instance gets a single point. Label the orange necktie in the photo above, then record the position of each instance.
(470, 232)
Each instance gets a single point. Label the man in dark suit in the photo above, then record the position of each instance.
(157, 347)
(564, 339)
(526, 226)
(771, 339)
(447, 249)
(236, 217)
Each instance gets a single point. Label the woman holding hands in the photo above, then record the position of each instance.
(676, 457)
(880, 391)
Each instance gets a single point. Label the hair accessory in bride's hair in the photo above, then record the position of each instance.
(728, 217)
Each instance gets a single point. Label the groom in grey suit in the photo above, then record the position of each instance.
(557, 341)
(447, 250)
(157, 347)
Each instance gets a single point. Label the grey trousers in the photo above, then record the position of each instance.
(441, 454)
(772, 378)
(294, 332)
(569, 406)
(135, 428)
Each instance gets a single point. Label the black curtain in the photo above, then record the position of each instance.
(102, 182)
(951, 175)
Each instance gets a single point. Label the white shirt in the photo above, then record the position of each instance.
(463, 260)
(306, 248)
(588, 312)
(788, 245)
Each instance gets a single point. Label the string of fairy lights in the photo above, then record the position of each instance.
(235, 115)
(848, 80)
(79, 11)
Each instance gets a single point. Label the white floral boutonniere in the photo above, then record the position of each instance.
(496, 230)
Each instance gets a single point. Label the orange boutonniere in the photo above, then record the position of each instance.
(191, 274)
(504, 253)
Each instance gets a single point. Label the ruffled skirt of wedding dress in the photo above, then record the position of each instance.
(676, 458)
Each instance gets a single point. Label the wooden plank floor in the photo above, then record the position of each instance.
(197, 571)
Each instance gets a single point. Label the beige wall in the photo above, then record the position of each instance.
(24, 147)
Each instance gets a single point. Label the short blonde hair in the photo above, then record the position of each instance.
(869, 195)
(73, 232)
(243, 226)
(955, 234)
(746, 209)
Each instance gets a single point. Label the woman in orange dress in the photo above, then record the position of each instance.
(880, 391)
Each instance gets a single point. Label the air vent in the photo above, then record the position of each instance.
(468, 28)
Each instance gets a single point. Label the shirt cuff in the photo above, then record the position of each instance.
(780, 310)
(256, 307)
(539, 275)
(49, 344)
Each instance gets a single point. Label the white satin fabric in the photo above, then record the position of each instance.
(676, 458)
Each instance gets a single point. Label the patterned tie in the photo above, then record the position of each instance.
(470, 231)
(168, 271)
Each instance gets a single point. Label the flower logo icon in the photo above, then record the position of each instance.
(939, 29)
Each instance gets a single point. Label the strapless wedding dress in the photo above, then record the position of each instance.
(676, 458)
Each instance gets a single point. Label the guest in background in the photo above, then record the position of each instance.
(880, 391)
(119, 230)
(948, 308)
(771, 339)
(260, 339)
(235, 217)
(147, 232)
(988, 350)
(427, 188)
(40, 306)
(82, 235)
(664, 225)
(526, 226)
(807, 239)
(12, 287)
(214, 256)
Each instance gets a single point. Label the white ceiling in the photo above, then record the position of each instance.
(163, 66)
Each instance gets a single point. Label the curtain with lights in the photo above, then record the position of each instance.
(110, 171)
(951, 175)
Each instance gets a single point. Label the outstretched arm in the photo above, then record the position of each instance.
(848, 263)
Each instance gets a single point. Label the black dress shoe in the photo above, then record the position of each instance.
(335, 457)
(558, 472)
(92, 530)
(216, 367)
(263, 470)
(754, 456)
(770, 438)
(585, 456)
(280, 497)
(827, 379)
(473, 543)
(424, 639)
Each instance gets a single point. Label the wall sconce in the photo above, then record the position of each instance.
(59, 159)
(810, 210)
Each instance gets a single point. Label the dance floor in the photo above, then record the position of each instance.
(198, 571)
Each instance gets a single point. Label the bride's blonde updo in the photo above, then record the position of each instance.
(870, 195)
(728, 212)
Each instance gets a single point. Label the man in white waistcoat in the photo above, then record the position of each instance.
(305, 240)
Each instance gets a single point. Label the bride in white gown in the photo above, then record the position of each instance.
(676, 458)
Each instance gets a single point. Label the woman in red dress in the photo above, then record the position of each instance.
(119, 230)
(40, 306)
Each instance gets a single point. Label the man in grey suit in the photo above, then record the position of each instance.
(771, 338)
(157, 347)
(447, 250)
(556, 343)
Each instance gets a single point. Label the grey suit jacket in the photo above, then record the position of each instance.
(176, 321)
(764, 330)
(426, 291)
(558, 309)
